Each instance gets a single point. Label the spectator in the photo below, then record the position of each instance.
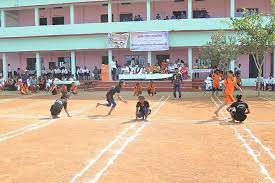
(114, 68)
(260, 83)
(173, 17)
(158, 17)
(9, 71)
(156, 69)
(149, 69)
(166, 18)
(270, 83)
(96, 73)
(139, 18)
(136, 18)
(171, 68)
(238, 69)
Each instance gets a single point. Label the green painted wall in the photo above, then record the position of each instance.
(176, 39)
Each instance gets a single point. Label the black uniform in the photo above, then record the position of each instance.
(57, 107)
(110, 95)
(240, 110)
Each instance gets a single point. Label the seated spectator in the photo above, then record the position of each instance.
(166, 18)
(184, 71)
(158, 17)
(96, 73)
(171, 68)
(270, 83)
(33, 85)
(260, 83)
(49, 84)
(24, 89)
(74, 88)
(151, 89)
(139, 18)
(149, 69)
(137, 89)
(239, 13)
(136, 18)
(163, 68)
(173, 17)
(156, 69)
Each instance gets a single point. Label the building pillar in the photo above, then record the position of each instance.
(71, 14)
(148, 9)
(190, 10)
(190, 62)
(5, 66)
(149, 57)
(232, 8)
(274, 62)
(3, 19)
(38, 64)
(73, 64)
(36, 16)
(110, 14)
(110, 62)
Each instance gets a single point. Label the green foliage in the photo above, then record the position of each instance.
(220, 50)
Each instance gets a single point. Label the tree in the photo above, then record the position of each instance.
(221, 50)
(256, 36)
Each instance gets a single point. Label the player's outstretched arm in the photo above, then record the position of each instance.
(121, 99)
(67, 112)
(247, 111)
(136, 113)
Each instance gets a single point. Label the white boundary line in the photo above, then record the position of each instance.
(104, 150)
(123, 147)
(249, 150)
(41, 124)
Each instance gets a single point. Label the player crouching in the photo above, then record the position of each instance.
(59, 104)
(238, 110)
(142, 109)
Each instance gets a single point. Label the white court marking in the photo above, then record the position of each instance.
(38, 125)
(92, 162)
(248, 148)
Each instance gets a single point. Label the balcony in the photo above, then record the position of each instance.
(104, 28)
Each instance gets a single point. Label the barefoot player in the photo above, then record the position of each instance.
(238, 110)
(229, 88)
(216, 82)
(142, 108)
(59, 104)
(110, 97)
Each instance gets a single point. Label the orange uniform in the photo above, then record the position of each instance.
(64, 88)
(216, 80)
(137, 90)
(151, 89)
(74, 89)
(229, 84)
(24, 89)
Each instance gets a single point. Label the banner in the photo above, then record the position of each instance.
(117, 40)
(149, 41)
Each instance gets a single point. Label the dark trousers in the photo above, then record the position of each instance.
(114, 74)
(260, 85)
(177, 88)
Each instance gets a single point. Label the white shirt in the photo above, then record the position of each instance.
(114, 65)
(171, 68)
(270, 80)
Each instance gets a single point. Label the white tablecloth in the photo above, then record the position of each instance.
(201, 70)
(144, 76)
(66, 82)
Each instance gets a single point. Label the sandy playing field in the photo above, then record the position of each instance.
(182, 142)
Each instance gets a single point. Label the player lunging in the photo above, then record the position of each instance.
(229, 87)
(238, 110)
(59, 104)
(110, 97)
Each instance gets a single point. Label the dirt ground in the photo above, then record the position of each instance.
(182, 142)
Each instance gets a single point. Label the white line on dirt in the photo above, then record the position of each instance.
(92, 162)
(123, 147)
(248, 148)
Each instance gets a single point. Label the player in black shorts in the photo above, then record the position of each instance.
(59, 104)
(142, 108)
(110, 97)
(238, 110)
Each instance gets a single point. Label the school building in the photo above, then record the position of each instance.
(40, 34)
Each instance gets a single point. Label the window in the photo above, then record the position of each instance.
(105, 60)
(139, 60)
(126, 17)
(58, 20)
(161, 58)
(31, 63)
(52, 65)
(180, 14)
(43, 21)
(201, 14)
(104, 18)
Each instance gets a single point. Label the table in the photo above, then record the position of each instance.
(144, 76)
(66, 82)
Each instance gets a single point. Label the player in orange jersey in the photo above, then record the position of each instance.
(216, 76)
(151, 89)
(137, 89)
(229, 88)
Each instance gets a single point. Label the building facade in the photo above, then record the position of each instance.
(41, 34)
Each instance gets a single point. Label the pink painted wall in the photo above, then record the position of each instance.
(26, 17)
(166, 8)
(263, 5)
(86, 14)
(136, 8)
(49, 13)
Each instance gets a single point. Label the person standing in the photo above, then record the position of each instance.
(114, 68)
(177, 80)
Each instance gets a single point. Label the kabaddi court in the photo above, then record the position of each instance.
(183, 142)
